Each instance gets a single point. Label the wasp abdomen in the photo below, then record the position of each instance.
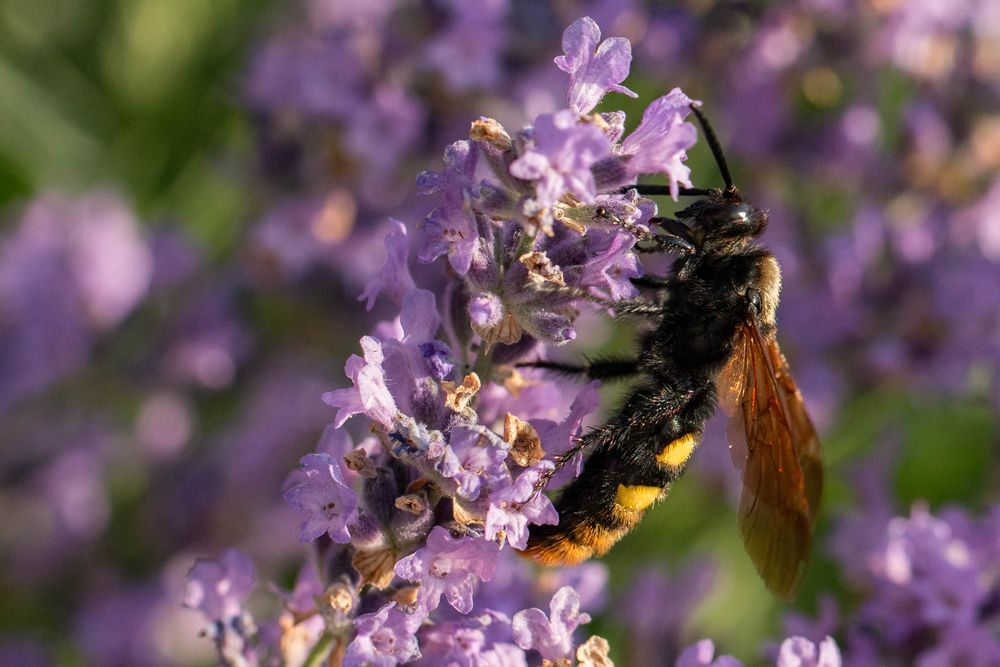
(614, 490)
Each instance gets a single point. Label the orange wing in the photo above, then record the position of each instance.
(775, 446)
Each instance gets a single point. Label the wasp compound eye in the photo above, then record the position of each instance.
(739, 213)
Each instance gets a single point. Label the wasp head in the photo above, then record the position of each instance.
(722, 220)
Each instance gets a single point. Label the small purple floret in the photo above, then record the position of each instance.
(560, 158)
(660, 143)
(514, 506)
(385, 638)
(551, 635)
(449, 566)
(369, 395)
(595, 68)
(330, 504)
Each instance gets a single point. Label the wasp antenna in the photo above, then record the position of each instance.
(713, 144)
(650, 190)
(694, 192)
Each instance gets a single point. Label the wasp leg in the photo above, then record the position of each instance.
(598, 369)
(654, 282)
(642, 307)
(634, 307)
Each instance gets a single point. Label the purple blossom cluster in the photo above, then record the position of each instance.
(532, 228)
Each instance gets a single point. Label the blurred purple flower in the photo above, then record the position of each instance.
(651, 636)
(469, 50)
(331, 505)
(218, 588)
(115, 628)
(702, 654)
(72, 268)
(449, 566)
(963, 645)
(394, 278)
(800, 652)
(312, 75)
(595, 68)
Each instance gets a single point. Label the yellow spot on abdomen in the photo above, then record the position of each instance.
(678, 452)
(637, 498)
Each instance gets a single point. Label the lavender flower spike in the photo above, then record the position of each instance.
(552, 635)
(594, 70)
(330, 504)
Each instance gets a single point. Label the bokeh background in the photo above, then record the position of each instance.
(193, 194)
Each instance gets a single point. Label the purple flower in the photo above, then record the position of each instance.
(963, 645)
(649, 635)
(71, 268)
(479, 641)
(514, 506)
(472, 462)
(560, 158)
(660, 142)
(701, 654)
(218, 588)
(449, 566)
(451, 228)
(611, 264)
(319, 77)
(394, 278)
(369, 395)
(330, 504)
(438, 357)
(385, 638)
(412, 356)
(558, 437)
(800, 652)
(594, 70)
(552, 635)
